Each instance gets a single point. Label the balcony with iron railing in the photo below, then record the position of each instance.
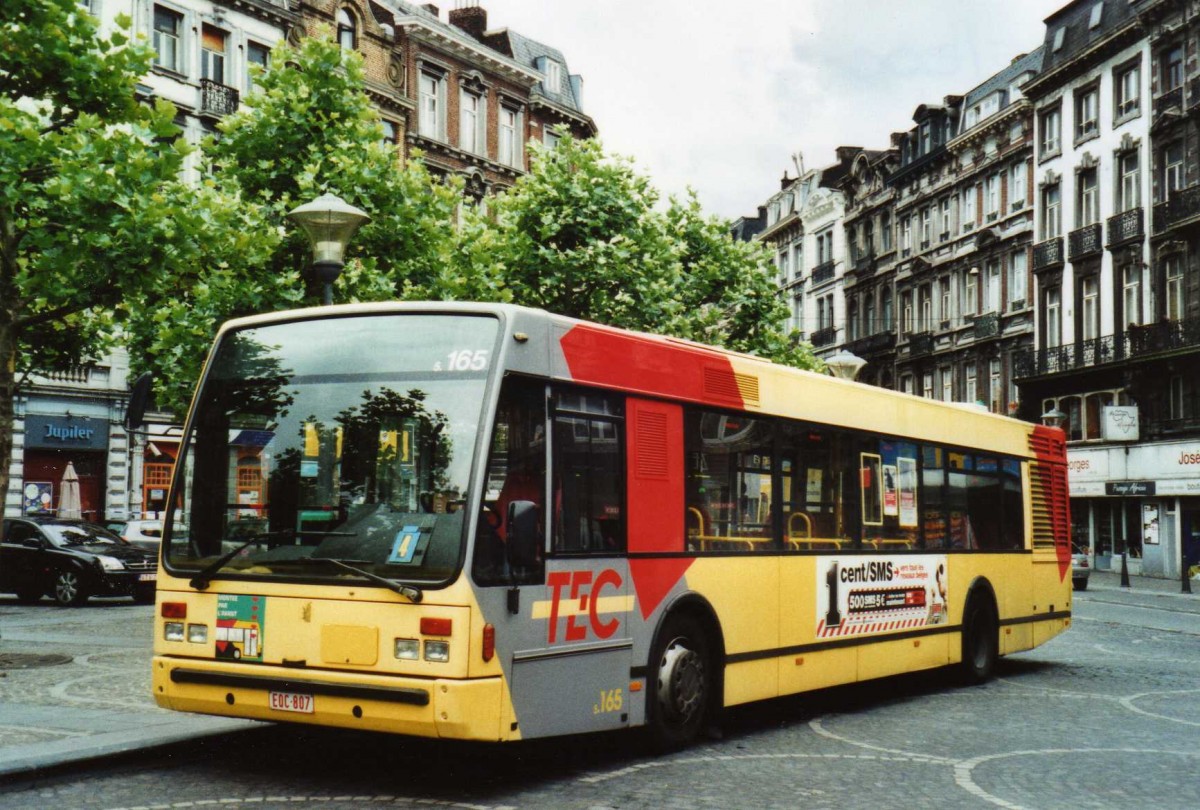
(920, 344)
(1138, 342)
(1048, 253)
(987, 325)
(822, 272)
(862, 258)
(824, 337)
(217, 99)
(1182, 207)
(1125, 227)
(873, 344)
(1169, 99)
(1084, 242)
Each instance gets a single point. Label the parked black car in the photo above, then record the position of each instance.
(71, 560)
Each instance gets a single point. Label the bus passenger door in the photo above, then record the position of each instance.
(572, 675)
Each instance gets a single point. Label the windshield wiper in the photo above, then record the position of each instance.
(403, 588)
(205, 576)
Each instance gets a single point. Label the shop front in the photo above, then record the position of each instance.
(1141, 501)
(57, 449)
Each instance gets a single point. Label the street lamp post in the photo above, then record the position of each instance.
(844, 365)
(330, 222)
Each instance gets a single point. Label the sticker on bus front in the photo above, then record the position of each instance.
(405, 545)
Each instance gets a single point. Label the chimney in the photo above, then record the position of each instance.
(432, 9)
(471, 19)
(846, 153)
(783, 183)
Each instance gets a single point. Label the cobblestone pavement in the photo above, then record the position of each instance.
(1105, 716)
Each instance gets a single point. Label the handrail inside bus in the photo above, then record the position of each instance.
(807, 525)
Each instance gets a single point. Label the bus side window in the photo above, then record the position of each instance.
(729, 468)
(516, 472)
(588, 477)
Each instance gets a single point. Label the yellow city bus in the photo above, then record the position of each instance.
(489, 522)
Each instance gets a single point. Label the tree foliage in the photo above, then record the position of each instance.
(581, 235)
(92, 212)
(309, 128)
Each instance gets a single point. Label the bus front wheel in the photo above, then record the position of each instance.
(980, 642)
(681, 683)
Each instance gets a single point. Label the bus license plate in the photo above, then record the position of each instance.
(147, 577)
(292, 702)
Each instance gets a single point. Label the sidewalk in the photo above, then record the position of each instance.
(1143, 592)
(75, 685)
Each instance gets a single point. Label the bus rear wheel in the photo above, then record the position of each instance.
(681, 683)
(980, 642)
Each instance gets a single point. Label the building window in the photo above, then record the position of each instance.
(168, 28)
(947, 377)
(885, 232)
(1127, 87)
(1087, 113)
(1129, 190)
(1053, 325)
(1089, 290)
(1170, 69)
(256, 54)
(926, 227)
(926, 299)
(553, 77)
(1131, 298)
(825, 246)
(1172, 163)
(550, 138)
(945, 206)
(825, 311)
(906, 313)
(510, 140)
(886, 306)
(1051, 212)
(1016, 278)
(906, 235)
(995, 386)
(1174, 275)
(1016, 186)
(927, 385)
(212, 54)
(970, 394)
(347, 33)
(991, 197)
(1050, 126)
(852, 318)
(870, 326)
(971, 292)
(391, 132)
(926, 146)
(968, 209)
(472, 119)
(944, 296)
(432, 112)
(991, 287)
(1088, 209)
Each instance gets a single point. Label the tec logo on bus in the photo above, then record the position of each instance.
(578, 596)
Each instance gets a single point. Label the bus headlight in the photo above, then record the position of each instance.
(437, 651)
(173, 631)
(408, 649)
(198, 633)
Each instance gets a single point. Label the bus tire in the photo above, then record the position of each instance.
(682, 679)
(980, 641)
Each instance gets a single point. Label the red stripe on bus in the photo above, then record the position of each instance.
(649, 365)
(653, 579)
(1050, 446)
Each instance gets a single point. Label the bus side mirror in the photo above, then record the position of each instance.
(522, 533)
(139, 401)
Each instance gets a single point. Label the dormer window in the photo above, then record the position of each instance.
(553, 82)
(1059, 35)
(1097, 13)
(347, 32)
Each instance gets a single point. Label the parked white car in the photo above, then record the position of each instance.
(145, 534)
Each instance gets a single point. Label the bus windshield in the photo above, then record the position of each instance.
(346, 439)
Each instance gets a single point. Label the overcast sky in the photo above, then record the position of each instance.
(719, 95)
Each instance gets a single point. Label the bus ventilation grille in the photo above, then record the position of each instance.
(1048, 485)
(651, 449)
(1047, 444)
(719, 383)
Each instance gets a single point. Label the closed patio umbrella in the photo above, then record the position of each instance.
(69, 503)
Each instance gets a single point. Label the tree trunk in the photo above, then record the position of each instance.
(8, 393)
